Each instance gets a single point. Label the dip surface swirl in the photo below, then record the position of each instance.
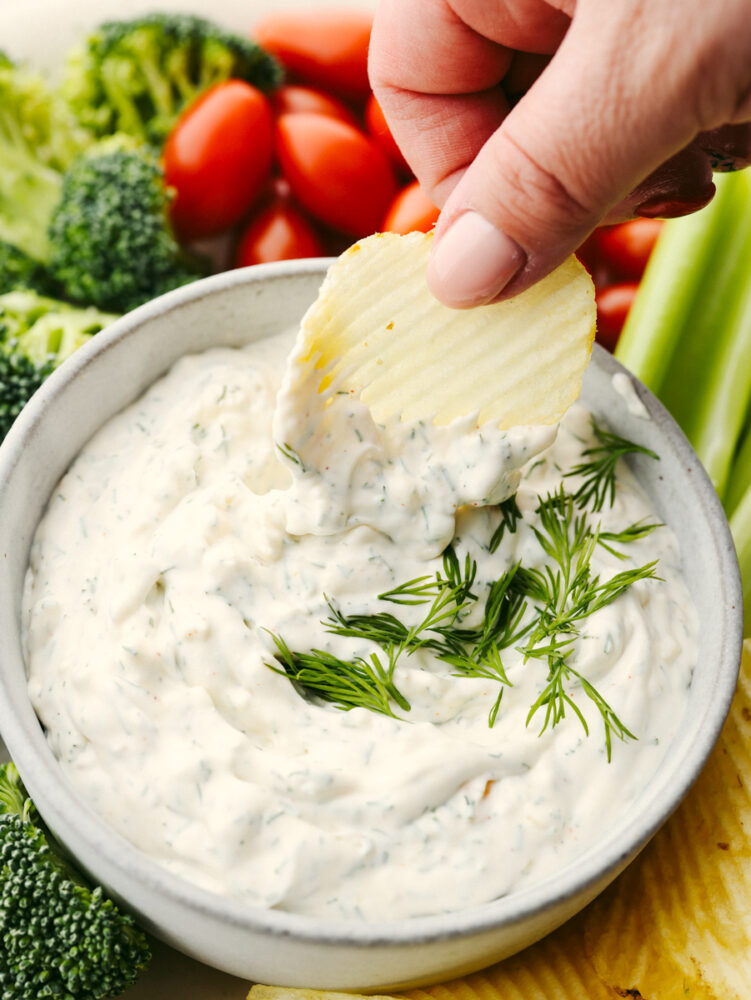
(180, 539)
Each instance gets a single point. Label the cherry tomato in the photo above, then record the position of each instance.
(613, 304)
(335, 172)
(375, 122)
(279, 232)
(627, 246)
(589, 254)
(218, 158)
(291, 99)
(326, 48)
(411, 210)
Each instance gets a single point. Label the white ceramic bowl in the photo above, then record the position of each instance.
(274, 947)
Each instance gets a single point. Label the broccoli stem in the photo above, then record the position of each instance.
(29, 192)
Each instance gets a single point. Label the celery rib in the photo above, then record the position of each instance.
(740, 527)
(739, 482)
(672, 281)
(688, 337)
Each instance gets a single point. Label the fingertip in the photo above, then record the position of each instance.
(472, 261)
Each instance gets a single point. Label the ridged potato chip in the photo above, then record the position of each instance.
(378, 333)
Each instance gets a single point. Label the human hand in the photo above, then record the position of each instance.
(530, 122)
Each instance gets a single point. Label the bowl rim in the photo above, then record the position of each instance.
(59, 799)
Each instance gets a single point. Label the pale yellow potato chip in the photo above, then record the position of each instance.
(378, 333)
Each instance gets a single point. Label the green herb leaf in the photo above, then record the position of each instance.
(599, 471)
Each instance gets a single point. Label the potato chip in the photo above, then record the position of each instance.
(378, 333)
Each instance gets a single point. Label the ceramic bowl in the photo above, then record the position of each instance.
(275, 947)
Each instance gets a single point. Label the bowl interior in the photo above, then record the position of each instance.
(233, 309)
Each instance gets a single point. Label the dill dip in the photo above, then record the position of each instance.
(206, 530)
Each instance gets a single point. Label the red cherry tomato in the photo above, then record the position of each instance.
(326, 48)
(291, 99)
(218, 158)
(375, 122)
(613, 304)
(279, 232)
(411, 210)
(335, 172)
(626, 247)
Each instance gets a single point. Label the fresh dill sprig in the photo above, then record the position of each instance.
(634, 532)
(566, 594)
(347, 684)
(477, 652)
(554, 699)
(448, 594)
(510, 516)
(566, 591)
(599, 470)
(423, 588)
(540, 612)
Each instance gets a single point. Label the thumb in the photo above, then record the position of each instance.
(592, 127)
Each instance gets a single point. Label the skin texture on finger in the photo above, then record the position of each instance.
(562, 160)
(536, 26)
(424, 47)
(619, 98)
(441, 110)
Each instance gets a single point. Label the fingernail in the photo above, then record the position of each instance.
(472, 262)
(672, 208)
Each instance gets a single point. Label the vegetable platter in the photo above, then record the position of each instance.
(700, 370)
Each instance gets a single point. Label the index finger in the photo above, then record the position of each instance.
(436, 66)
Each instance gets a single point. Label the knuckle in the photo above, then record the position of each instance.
(536, 199)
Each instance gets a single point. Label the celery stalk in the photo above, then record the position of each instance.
(688, 337)
(673, 281)
(739, 482)
(707, 330)
(740, 526)
(708, 386)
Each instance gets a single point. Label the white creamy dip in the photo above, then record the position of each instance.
(179, 540)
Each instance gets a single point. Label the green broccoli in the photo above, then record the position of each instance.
(59, 937)
(39, 138)
(135, 76)
(111, 243)
(20, 378)
(18, 270)
(36, 335)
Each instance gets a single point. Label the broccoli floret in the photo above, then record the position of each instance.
(111, 243)
(36, 335)
(59, 937)
(39, 138)
(18, 270)
(20, 378)
(135, 76)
